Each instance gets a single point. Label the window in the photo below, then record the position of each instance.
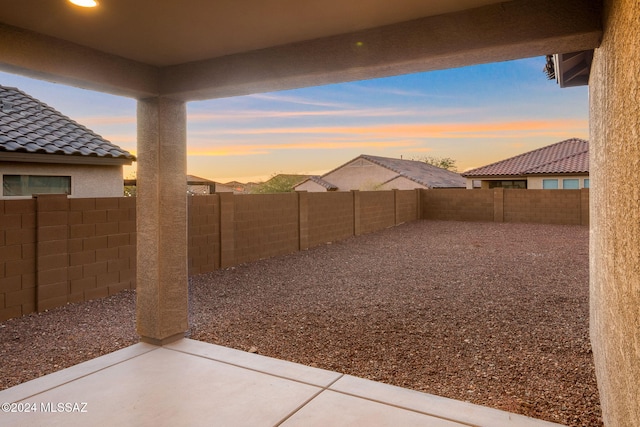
(586, 183)
(571, 184)
(28, 185)
(550, 184)
(508, 184)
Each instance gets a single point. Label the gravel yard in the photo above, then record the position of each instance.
(491, 313)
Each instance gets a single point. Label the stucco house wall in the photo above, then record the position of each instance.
(311, 187)
(400, 183)
(359, 174)
(614, 97)
(86, 180)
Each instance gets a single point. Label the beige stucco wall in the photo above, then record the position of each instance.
(161, 215)
(86, 180)
(615, 213)
(400, 183)
(311, 187)
(360, 174)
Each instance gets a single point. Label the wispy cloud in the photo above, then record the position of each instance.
(242, 142)
(277, 97)
(257, 114)
(406, 93)
(439, 130)
(231, 115)
(266, 148)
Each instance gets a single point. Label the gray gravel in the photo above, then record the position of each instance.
(494, 314)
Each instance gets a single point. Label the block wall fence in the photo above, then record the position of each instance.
(55, 250)
(507, 205)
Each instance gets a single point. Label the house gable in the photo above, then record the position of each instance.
(367, 173)
(44, 151)
(359, 174)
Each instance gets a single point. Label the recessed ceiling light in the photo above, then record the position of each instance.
(85, 3)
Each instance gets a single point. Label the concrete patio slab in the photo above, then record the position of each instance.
(337, 409)
(191, 383)
(267, 365)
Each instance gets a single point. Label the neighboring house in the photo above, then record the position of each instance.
(43, 151)
(315, 183)
(195, 186)
(280, 183)
(241, 188)
(199, 186)
(367, 172)
(563, 165)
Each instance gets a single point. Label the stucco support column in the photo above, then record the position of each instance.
(162, 288)
(615, 213)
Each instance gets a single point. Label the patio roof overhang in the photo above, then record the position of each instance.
(201, 49)
(573, 68)
(165, 53)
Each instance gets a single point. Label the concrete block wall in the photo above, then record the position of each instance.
(543, 206)
(407, 206)
(56, 250)
(457, 205)
(204, 234)
(17, 258)
(507, 205)
(265, 225)
(102, 246)
(53, 253)
(584, 206)
(330, 217)
(377, 211)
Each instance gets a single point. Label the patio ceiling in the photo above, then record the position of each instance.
(202, 49)
(165, 33)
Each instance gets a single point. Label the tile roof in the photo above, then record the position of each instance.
(30, 126)
(423, 173)
(568, 156)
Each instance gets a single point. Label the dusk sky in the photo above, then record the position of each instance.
(476, 115)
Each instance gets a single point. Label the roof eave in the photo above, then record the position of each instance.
(63, 159)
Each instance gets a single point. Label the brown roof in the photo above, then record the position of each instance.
(423, 173)
(420, 172)
(568, 156)
(30, 126)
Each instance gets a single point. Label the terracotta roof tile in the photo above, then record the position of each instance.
(30, 126)
(568, 156)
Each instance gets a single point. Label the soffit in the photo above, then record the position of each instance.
(162, 33)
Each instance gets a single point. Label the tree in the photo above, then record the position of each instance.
(278, 183)
(442, 162)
